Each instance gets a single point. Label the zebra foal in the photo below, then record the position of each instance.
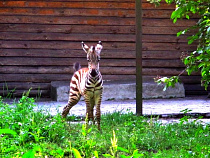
(87, 82)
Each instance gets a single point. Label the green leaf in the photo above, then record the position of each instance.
(107, 155)
(8, 131)
(201, 65)
(29, 154)
(169, 1)
(203, 73)
(182, 32)
(89, 130)
(179, 33)
(176, 14)
(96, 154)
(76, 153)
(122, 149)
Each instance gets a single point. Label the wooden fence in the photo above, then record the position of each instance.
(40, 41)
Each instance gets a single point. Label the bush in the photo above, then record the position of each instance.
(198, 60)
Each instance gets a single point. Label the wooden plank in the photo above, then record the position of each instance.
(87, 29)
(18, 61)
(162, 63)
(163, 71)
(164, 39)
(83, 4)
(162, 30)
(68, 29)
(112, 45)
(104, 70)
(161, 54)
(62, 70)
(162, 14)
(184, 79)
(172, 71)
(37, 28)
(53, 77)
(24, 85)
(82, 0)
(106, 54)
(191, 79)
(36, 70)
(68, 12)
(19, 93)
(34, 77)
(67, 37)
(63, 45)
(67, 53)
(90, 37)
(143, 1)
(162, 6)
(169, 46)
(149, 13)
(157, 13)
(92, 21)
(10, 61)
(66, 77)
(168, 22)
(66, 20)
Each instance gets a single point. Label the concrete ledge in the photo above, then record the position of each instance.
(152, 90)
(121, 91)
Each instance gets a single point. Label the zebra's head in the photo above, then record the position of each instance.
(93, 57)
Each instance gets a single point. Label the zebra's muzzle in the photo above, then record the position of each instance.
(93, 73)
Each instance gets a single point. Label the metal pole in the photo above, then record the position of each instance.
(139, 110)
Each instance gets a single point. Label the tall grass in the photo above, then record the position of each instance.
(25, 132)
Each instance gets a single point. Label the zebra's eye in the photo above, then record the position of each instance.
(88, 60)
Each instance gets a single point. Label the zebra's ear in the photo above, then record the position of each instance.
(85, 47)
(99, 47)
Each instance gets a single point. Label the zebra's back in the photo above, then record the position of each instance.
(78, 81)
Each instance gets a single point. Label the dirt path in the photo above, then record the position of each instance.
(152, 106)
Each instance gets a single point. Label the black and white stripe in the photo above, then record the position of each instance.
(87, 82)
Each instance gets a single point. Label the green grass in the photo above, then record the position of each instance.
(28, 133)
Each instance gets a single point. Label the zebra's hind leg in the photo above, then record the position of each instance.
(73, 100)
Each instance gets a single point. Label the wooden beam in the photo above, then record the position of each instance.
(139, 109)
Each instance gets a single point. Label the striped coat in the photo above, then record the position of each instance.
(87, 82)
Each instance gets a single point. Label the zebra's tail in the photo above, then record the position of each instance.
(76, 66)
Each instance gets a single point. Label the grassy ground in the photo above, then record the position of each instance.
(28, 133)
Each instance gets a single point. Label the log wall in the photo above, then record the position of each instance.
(40, 41)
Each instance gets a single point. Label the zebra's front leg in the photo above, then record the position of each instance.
(92, 104)
(89, 105)
(98, 98)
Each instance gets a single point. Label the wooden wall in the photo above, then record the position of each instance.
(40, 41)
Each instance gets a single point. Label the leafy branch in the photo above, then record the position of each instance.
(198, 60)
